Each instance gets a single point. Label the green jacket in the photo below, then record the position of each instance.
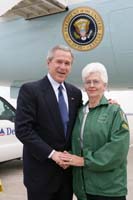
(105, 149)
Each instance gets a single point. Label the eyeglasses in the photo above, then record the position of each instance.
(92, 83)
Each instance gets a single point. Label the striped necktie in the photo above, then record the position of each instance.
(63, 108)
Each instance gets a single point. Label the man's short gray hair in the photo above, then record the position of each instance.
(59, 47)
(95, 67)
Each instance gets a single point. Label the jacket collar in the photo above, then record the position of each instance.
(103, 101)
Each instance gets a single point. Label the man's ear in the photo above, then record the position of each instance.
(48, 61)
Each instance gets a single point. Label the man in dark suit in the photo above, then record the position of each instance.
(39, 126)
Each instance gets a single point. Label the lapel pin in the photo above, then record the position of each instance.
(72, 98)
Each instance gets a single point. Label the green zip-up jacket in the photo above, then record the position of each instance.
(105, 149)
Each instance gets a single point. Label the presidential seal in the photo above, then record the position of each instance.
(83, 29)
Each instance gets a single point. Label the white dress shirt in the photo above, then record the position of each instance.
(55, 86)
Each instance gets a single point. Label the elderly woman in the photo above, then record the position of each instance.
(100, 143)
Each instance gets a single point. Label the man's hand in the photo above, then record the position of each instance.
(112, 101)
(57, 158)
(73, 160)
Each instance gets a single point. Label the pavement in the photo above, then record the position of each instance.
(12, 178)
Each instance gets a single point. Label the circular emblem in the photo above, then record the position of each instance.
(83, 29)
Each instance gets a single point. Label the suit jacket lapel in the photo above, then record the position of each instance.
(71, 102)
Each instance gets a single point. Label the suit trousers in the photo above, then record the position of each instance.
(64, 193)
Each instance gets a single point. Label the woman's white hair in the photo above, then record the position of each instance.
(95, 67)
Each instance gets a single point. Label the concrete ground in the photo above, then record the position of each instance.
(12, 178)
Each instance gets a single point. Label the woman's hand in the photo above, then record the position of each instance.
(73, 160)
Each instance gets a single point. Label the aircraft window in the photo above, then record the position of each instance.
(7, 112)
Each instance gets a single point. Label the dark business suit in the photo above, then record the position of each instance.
(38, 125)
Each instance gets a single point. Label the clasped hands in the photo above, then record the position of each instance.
(65, 159)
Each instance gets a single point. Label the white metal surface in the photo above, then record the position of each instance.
(10, 146)
(32, 8)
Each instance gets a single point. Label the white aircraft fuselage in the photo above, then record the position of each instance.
(24, 43)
